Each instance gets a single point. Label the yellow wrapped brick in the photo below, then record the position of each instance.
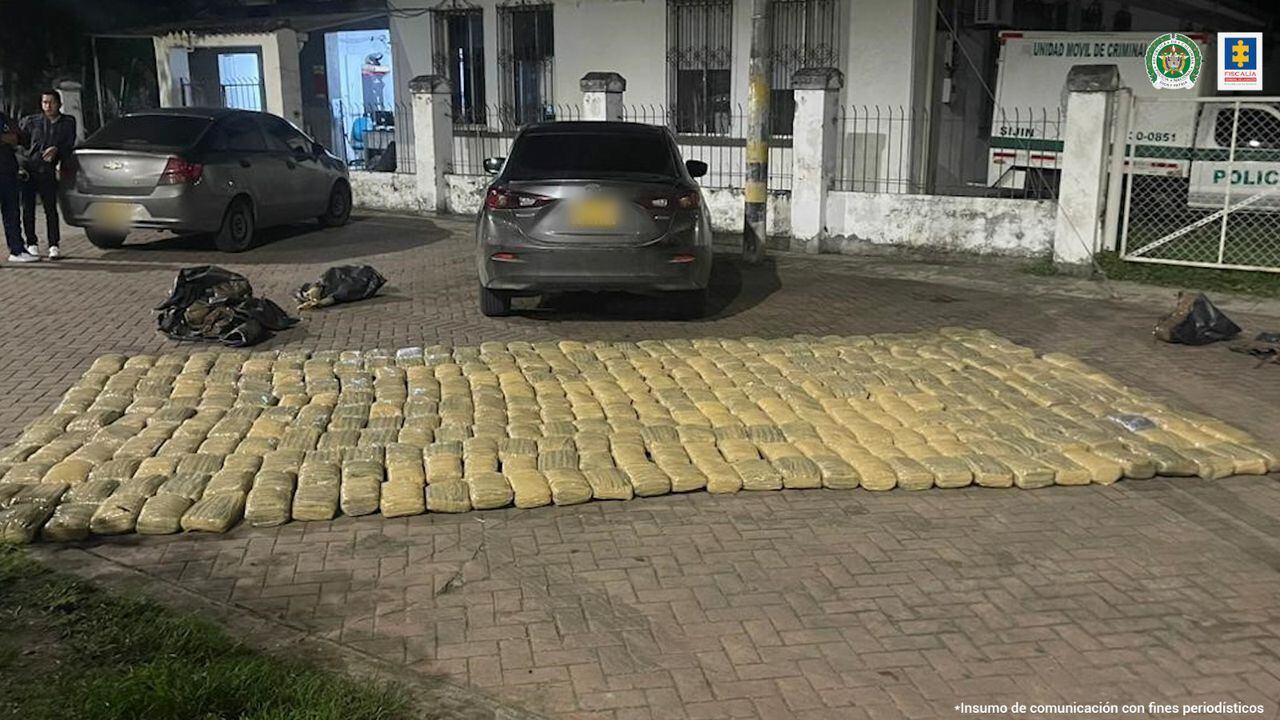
(360, 490)
(162, 514)
(1209, 464)
(647, 479)
(1028, 472)
(90, 492)
(117, 515)
(489, 490)
(1245, 461)
(685, 476)
(20, 523)
(405, 464)
(988, 471)
(1102, 470)
(118, 470)
(448, 496)
(529, 486)
(70, 521)
(1133, 465)
(216, 513)
(609, 484)
(910, 474)
(758, 475)
(230, 481)
(70, 471)
(798, 472)
(1168, 462)
(948, 472)
(568, 486)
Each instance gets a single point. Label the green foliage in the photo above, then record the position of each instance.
(1245, 282)
(80, 652)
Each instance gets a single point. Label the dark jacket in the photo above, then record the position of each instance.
(8, 158)
(43, 133)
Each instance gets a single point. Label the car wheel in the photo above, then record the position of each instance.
(338, 211)
(105, 240)
(689, 304)
(237, 230)
(494, 303)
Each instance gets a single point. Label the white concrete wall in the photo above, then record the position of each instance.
(392, 192)
(280, 74)
(994, 226)
(884, 51)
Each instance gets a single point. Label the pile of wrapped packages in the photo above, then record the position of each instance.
(207, 440)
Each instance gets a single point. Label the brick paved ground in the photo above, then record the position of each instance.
(791, 604)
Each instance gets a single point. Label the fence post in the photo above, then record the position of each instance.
(70, 92)
(602, 96)
(432, 138)
(813, 152)
(1082, 189)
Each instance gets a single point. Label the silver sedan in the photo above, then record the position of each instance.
(191, 170)
(594, 206)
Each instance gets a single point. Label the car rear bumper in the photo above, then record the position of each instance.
(666, 265)
(185, 211)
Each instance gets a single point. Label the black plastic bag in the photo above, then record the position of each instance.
(1195, 321)
(211, 304)
(343, 284)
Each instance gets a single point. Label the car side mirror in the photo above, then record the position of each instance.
(317, 150)
(696, 168)
(493, 165)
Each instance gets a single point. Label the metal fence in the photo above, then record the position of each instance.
(723, 149)
(1016, 152)
(240, 94)
(1209, 202)
(473, 142)
(376, 139)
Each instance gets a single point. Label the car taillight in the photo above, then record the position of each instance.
(499, 199)
(686, 201)
(180, 172)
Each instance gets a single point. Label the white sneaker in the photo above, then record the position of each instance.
(24, 258)
(54, 252)
(33, 250)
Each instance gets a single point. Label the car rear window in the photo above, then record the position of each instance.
(570, 155)
(150, 131)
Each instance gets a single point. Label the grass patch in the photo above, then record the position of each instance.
(1261, 284)
(70, 650)
(1042, 267)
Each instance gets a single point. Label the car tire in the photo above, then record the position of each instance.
(338, 211)
(689, 304)
(494, 303)
(237, 230)
(104, 239)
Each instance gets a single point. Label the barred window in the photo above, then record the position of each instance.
(458, 54)
(526, 58)
(806, 33)
(699, 62)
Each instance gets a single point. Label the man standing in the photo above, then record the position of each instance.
(52, 136)
(11, 139)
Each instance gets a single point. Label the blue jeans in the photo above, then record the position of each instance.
(9, 211)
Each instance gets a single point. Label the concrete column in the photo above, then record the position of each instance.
(432, 138)
(602, 96)
(813, 156)
(71, 105)
(1091, 90)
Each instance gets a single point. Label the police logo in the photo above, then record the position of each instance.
(1173, 62)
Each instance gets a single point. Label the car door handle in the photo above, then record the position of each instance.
(245, 163)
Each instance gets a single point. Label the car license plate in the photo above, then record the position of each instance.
(115, 215)
(594, 213)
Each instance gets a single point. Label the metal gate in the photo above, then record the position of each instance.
(1202, 183)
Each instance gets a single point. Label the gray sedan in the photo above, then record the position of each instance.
(594, 206)
(191, 170)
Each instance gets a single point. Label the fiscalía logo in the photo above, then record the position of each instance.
(1173, 62)
(1240, 61)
